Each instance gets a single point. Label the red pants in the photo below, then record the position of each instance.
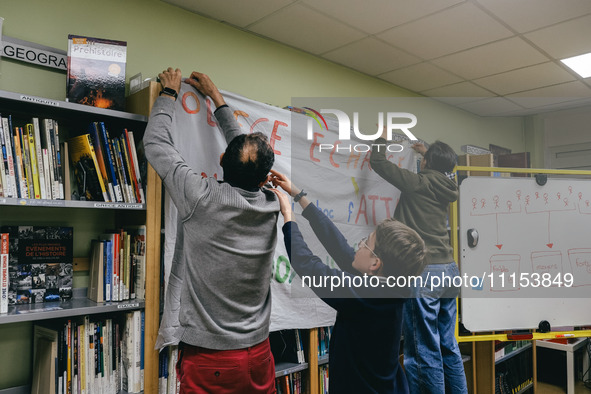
(244, 371)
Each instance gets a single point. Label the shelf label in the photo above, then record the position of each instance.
(117, 205)
(128, 306)
(39, 100)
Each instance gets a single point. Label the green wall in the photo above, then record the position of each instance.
(159, 35)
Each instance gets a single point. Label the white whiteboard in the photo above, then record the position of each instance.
(532, 238)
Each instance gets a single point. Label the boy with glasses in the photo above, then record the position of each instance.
(365, 341)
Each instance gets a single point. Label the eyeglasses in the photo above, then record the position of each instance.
(363, 243)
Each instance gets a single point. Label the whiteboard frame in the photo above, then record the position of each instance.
(453, 214)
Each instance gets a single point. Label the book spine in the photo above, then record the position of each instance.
(91, 360)
(93, 130)
(4, 273)
(10, 157)
(51, 145)
(126, 149)
(137, 167)
(3, 181)
(75, 358)
(69, 357)
(108, 269)
(60, 352)
(143, 329)
(58, 160)
(124, 255)
(97, 358)
(66, 171)
(22, 185)
(46, 170)
(46, 143)
(118, 357)
(39, 157)
(121, 170)
(111, 161)
(97, 169)
(4, 176)
(116, 270)
(24, 141)
(84, 356)
(137, 334)
(33, 160)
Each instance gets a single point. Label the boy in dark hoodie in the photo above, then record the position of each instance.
(365, 341)
(432, 358)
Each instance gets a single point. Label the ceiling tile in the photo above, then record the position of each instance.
(565, 39)
(371, 56)
(306, 29)
(449, 31)
(567, 90)
(236, 12)
(525, 78)
(420, 77)
(551, 95)
(459, 90)
(373, 16)
(492, 58)
(491, 106)
(528, 15)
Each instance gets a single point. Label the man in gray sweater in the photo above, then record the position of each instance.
(228, 238)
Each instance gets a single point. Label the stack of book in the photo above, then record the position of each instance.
(118, 265)
(32, 163)
(105, 168)
(89, 356)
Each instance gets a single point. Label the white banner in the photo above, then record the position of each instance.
(341, 184)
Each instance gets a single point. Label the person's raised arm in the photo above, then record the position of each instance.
(223, 113)
(307, 264)
(401, 178)
(331, 238)
(183, 184)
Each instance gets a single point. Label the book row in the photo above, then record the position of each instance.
(118, 265)
(89, 356)
(324, 334)
(36, 164)
(36, 264)
(288, 346)
(290, 384)
(32, 162)
(105, 168)
(168, 382)
(323, 379)
(514, 374)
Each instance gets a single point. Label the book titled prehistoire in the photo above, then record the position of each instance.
(96, 72)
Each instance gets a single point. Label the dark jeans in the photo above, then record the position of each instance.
(432, 358)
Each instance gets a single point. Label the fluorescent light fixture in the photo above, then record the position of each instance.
(580, 64)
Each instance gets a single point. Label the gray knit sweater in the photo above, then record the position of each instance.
(228, 238)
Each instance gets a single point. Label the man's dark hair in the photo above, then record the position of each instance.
(247, 160)
(441, 157)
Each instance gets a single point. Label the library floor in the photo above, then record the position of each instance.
(545, 388)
